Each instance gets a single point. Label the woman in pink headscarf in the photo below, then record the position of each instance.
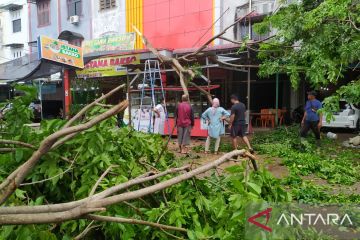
(215, 116)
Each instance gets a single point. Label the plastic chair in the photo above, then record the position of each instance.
(281, 113)
(280, 117)
(271, 118)
(264, 117)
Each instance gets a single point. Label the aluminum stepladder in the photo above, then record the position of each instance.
(152, 78)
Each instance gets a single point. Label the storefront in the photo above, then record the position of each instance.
(172, 95)
(46, 70)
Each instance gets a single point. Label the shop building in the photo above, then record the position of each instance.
(14, 29)
(176, 27)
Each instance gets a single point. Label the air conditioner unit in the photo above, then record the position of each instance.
(74, 19)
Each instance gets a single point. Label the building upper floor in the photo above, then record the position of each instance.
(51, 17)
(171, 24)
(14, 29)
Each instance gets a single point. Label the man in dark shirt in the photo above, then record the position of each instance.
(237, 123)
(185, 122)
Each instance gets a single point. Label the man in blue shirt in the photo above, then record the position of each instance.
(312, 119)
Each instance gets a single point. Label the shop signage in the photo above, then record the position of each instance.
(121, 42)
(108, 67)
(60, 52)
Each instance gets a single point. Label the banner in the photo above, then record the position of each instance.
(108, 67)
(60, 52)
(121, 42)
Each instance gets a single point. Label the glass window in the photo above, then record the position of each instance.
(16, 25)
(43, 12)
(74, 8)
(107, 4)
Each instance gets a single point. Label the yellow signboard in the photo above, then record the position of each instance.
(60, 52)
(107, 67)
(121, 42)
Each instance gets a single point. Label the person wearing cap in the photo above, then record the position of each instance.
(215, 116)
(312, 118)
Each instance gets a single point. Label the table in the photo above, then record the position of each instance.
(260, 114)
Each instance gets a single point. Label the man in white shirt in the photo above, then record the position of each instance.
(160, 116)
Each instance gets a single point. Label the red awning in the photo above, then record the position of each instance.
(179, 89)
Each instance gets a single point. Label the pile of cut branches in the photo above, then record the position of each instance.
(85, 178)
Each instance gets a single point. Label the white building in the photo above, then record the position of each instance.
(109, 17)
(235, 9)
(15, 29)
(2, 59)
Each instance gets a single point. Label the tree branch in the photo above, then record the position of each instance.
(133, 221)
(86, 230)
(98, 202)
(179, 69)
(207, 94)
(99, 181)
(16, 178)
(214, 37)
(7, 150)
(87, 107)
(48, 179)
(165, 184)
(27, 145)
(67, 206)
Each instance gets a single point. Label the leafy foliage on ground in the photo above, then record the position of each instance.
(331, 162)
(209, 207)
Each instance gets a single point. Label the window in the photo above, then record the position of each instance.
(17, 54)
(243, 32)
(16, 25)
(43, 13)
(74, 7)
(107, 4)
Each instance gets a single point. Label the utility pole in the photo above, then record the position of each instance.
(277, 99)
(249, 74)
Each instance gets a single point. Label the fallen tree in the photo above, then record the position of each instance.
(98, 174)
(43, 188)
(80, 209)
(186, 75)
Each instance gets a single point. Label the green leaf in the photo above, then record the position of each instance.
(191, 235)
(19, 154)
(254, 187)
(20, 193)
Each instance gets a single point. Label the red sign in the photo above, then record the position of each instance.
(267, 214)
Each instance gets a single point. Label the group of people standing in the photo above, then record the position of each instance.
(215, 117)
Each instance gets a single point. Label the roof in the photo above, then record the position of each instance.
(11, 7)
(228, 46)
(147, 54)
(26, 68)
(178, 89)
(70, 36)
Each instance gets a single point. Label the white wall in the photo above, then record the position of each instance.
(232, 11)
(111, 21)
(1, 39)
(8, 36)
